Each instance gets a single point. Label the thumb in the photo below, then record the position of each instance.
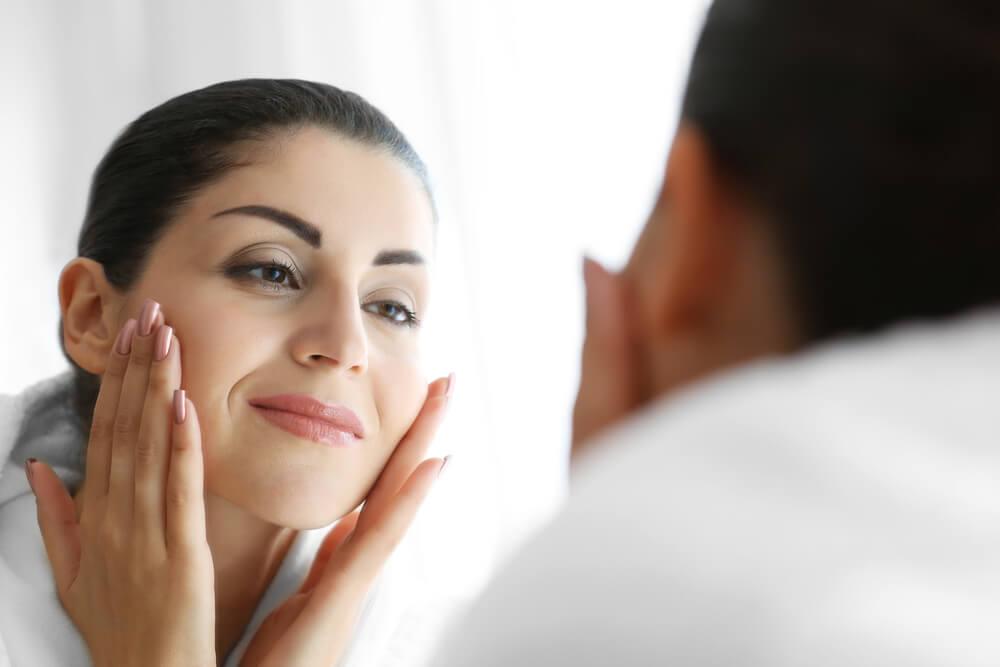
(57, 521)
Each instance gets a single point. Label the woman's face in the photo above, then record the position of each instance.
(259, 310)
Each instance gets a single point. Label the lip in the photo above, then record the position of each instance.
(304, 416)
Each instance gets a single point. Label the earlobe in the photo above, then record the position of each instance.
(87, 302)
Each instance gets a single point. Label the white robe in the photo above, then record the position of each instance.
(840, 507)
(35, 630)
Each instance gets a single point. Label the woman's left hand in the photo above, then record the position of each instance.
(314, 626)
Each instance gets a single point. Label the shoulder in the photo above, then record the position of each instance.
(39, 422)
(821, 506)
(19, 411)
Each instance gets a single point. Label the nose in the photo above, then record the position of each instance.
(335, 338)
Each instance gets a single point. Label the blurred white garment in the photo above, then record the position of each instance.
(396, 627)
(840, 507)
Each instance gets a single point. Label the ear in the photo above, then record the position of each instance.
(691, 241)
(89, 306)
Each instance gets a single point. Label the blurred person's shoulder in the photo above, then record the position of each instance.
(836, 507)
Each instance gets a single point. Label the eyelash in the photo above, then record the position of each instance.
(410, 317)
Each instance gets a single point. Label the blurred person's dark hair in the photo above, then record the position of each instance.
(869, 134)
(165, 157)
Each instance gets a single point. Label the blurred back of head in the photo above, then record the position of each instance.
(868, 131)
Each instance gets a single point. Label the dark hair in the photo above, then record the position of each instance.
(171, 152)
(868, 132)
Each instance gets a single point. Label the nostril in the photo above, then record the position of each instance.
(322, 357)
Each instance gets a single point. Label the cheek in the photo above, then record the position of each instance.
(219, 346)
(398, 389)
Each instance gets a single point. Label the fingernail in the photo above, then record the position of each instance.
(29, 472)
(149, 311)
(439, 390)
(163, 338)
(180, 406)
(124, 343)
(451, 385)
(443, 464)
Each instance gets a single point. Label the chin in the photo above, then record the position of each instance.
(292, 484)
(301, 504)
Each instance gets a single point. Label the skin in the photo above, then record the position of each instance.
(326, 332)
(702, 292)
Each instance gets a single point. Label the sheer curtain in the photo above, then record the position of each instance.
(545, 125)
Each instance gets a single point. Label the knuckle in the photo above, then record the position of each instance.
(145, 451)
(100, 426)
(159, 382)
(141, 355)
(91, 524)
(182, 445)
(116, 368)
(188, 556)
(125, 424)
(177, 498)
(139, 572)
(110, 537)
(384, 537)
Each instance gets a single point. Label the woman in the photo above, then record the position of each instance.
(243, 320)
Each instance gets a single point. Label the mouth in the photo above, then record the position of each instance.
(305, 417)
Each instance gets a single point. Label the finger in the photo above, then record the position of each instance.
(352, 569)
(322, 627)
(330, 544)
(57, 522)
(185, 490)
(410, 451)
(102, 423)
(605, 305)
(152, 450)
(121, 483)
(607, 389)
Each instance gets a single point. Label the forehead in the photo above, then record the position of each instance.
(360, 197)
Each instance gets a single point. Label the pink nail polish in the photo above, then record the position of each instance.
(180, 406)
(124, 343)
(150, 309)
(163, 338)
(438, 390)
(451, 385)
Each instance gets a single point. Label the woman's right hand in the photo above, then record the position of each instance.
(133, 569)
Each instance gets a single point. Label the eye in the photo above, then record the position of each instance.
(273, 274)
(394, 312)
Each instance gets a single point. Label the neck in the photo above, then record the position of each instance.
(247, 553)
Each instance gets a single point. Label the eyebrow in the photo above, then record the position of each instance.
(388, 257)
(306, 231)
(311, 234)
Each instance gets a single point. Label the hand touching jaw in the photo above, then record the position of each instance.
(702, 292)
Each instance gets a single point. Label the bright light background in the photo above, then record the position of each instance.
(545, 125)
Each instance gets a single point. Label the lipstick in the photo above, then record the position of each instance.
(306, 417)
